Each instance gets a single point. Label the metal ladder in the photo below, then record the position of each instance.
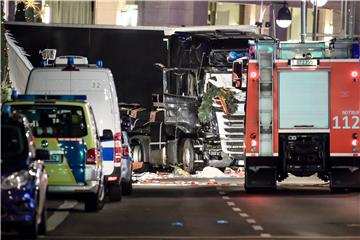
(265, 52)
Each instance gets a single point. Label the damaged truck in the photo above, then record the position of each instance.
(199, 117)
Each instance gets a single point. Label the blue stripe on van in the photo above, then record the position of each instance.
(108, 154)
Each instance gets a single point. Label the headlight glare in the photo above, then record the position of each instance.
(15, 180)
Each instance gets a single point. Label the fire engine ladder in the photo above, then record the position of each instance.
(265, 51)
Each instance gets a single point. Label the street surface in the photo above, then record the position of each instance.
(185, 208)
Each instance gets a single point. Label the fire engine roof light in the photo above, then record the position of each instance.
(283, 18)
(354, 74)
(6, 109)
(14, 94)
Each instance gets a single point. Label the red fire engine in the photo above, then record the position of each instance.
(303, 113)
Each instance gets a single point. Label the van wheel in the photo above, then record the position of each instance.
(96, 201)
(186, 154)
(115, 192)
(127, 188)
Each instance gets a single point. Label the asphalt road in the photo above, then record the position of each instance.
(216, 209)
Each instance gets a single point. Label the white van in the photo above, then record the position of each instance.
(97, 84)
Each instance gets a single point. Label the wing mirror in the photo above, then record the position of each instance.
(42, 154)
(107, 135)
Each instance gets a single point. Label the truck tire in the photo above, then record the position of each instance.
(263, 180)
(115, 192)
(138, 154)
(186, 154)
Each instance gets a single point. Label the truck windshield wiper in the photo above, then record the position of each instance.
(304, 126)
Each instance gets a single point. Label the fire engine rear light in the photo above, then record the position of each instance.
(253, 143)
(253, 74)
(118, 149)
(354, 142)
(355, 136)
(91, 156)
(354, 74)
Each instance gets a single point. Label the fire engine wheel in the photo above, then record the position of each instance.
(186, 154)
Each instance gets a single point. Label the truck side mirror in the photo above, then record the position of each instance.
(107, 135)
(42, 154)
(159, 66)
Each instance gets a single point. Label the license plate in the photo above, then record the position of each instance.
(56, 157)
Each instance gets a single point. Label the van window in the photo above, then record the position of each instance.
(13, 145)
(56, 121)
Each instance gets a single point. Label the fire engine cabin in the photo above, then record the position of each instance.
(302, 113)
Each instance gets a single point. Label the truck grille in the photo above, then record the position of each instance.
(232, 129)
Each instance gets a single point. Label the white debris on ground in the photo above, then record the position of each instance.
(179, 176)
(211, 172)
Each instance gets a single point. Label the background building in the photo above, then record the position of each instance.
(182, 13)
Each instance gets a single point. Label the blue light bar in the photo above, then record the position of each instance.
(6, 109)
(70, 60)
(99, 63)
(52, 97)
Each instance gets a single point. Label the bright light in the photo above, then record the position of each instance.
(46, 17)
(253, 143)
(318, 3)
(354, 74)
(354, 142)
(283, 23)
(128, 17)
(283, 18)
(253, 74)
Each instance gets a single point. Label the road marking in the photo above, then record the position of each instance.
(222, 193)
(353, 225)
(265, 235)
(59, 216)
(236, 209)
(225, 198)
(231, 203)
(257, 227)
(250, 220)
(244, 215)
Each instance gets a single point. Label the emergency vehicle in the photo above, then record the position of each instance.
(303, 113)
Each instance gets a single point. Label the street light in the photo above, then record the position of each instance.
(318, 3)
(283, 19)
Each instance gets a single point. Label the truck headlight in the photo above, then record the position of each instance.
(15, 180)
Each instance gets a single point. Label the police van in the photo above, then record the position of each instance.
(72, 75)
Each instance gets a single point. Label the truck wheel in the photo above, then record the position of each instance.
(115, 192)
(263, 180)
(186, 154)
(138, 157)
(96, 201)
